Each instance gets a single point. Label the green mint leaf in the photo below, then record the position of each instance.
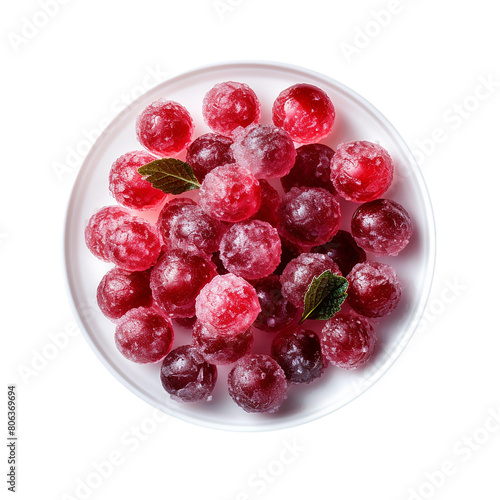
(324, 297)
(170, 175)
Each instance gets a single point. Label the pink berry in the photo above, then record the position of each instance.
(382, 227)
(186, 376)
(348, 340)
(221, 349)
(299, 272)
(266, 151)
(177, 279)
(208, 152)
(251, 249)
(308, 216)
(270, 200)
(144, 336)
(305, 112)
(128, 187)
(230, 193)
(228, 304)
(361, 171)
(311, 169)
(257, 384)
(121, 290)
(164, 127)
(229, 105)
(374, 289)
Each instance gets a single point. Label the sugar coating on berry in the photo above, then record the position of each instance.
(299, 354)
(230, 193)
(186, 376)
(229, 105)
(257, 384)
(219, 348)
(228, 304)
(299, 272)
(143, 335)
(269, 202)
(348, 340)
(251, 249)
(374, 289)
(128, 187)
(120, 290)
(312, 168)
(361, 171)
(305, 112)
(382, 227)
(164, 127)
(266, 151)
(177, 279)
(308, 216)
(208, 152)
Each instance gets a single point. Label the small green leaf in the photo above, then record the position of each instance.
(324, 297)
(170, 175)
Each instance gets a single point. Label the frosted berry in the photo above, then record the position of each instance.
(299, 354)
(305, 112)
(374, 289)
(312, 168)
(177, 279)
(228, 304)
(230, 193)
(164, 127)
(128, 187)
(308, 216)
(299, 272)
(266, 151)
(120, 290)
(361, 171)
(186, 376)
(229, 105)
(270, 200)
(208, 152)
(221, 349)
(251, 249)
(143, 335)
(382, 227)
(348, 340)
(257, 384)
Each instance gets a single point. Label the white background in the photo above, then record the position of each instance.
(427, 429)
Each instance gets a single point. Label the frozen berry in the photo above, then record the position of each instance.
(348, 340)
(257, 384)
(311, 169)
(229, 105)
(144, 336)
(266, 151)
(270, 200)
(374, 289)
(228, 304)
(164, 127)
(308, 216)
(361, 171)
(305, 112)
(299, 272)
(177, 279)
(120, 290)
(382, 227)
(299, 354)
(128, 187)
(251, 249)
(343, 250)
(208, 152)
(221, 349)
(230, 193)
(186, 376)
(276, 312)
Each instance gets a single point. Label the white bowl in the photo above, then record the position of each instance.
(356, 119)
